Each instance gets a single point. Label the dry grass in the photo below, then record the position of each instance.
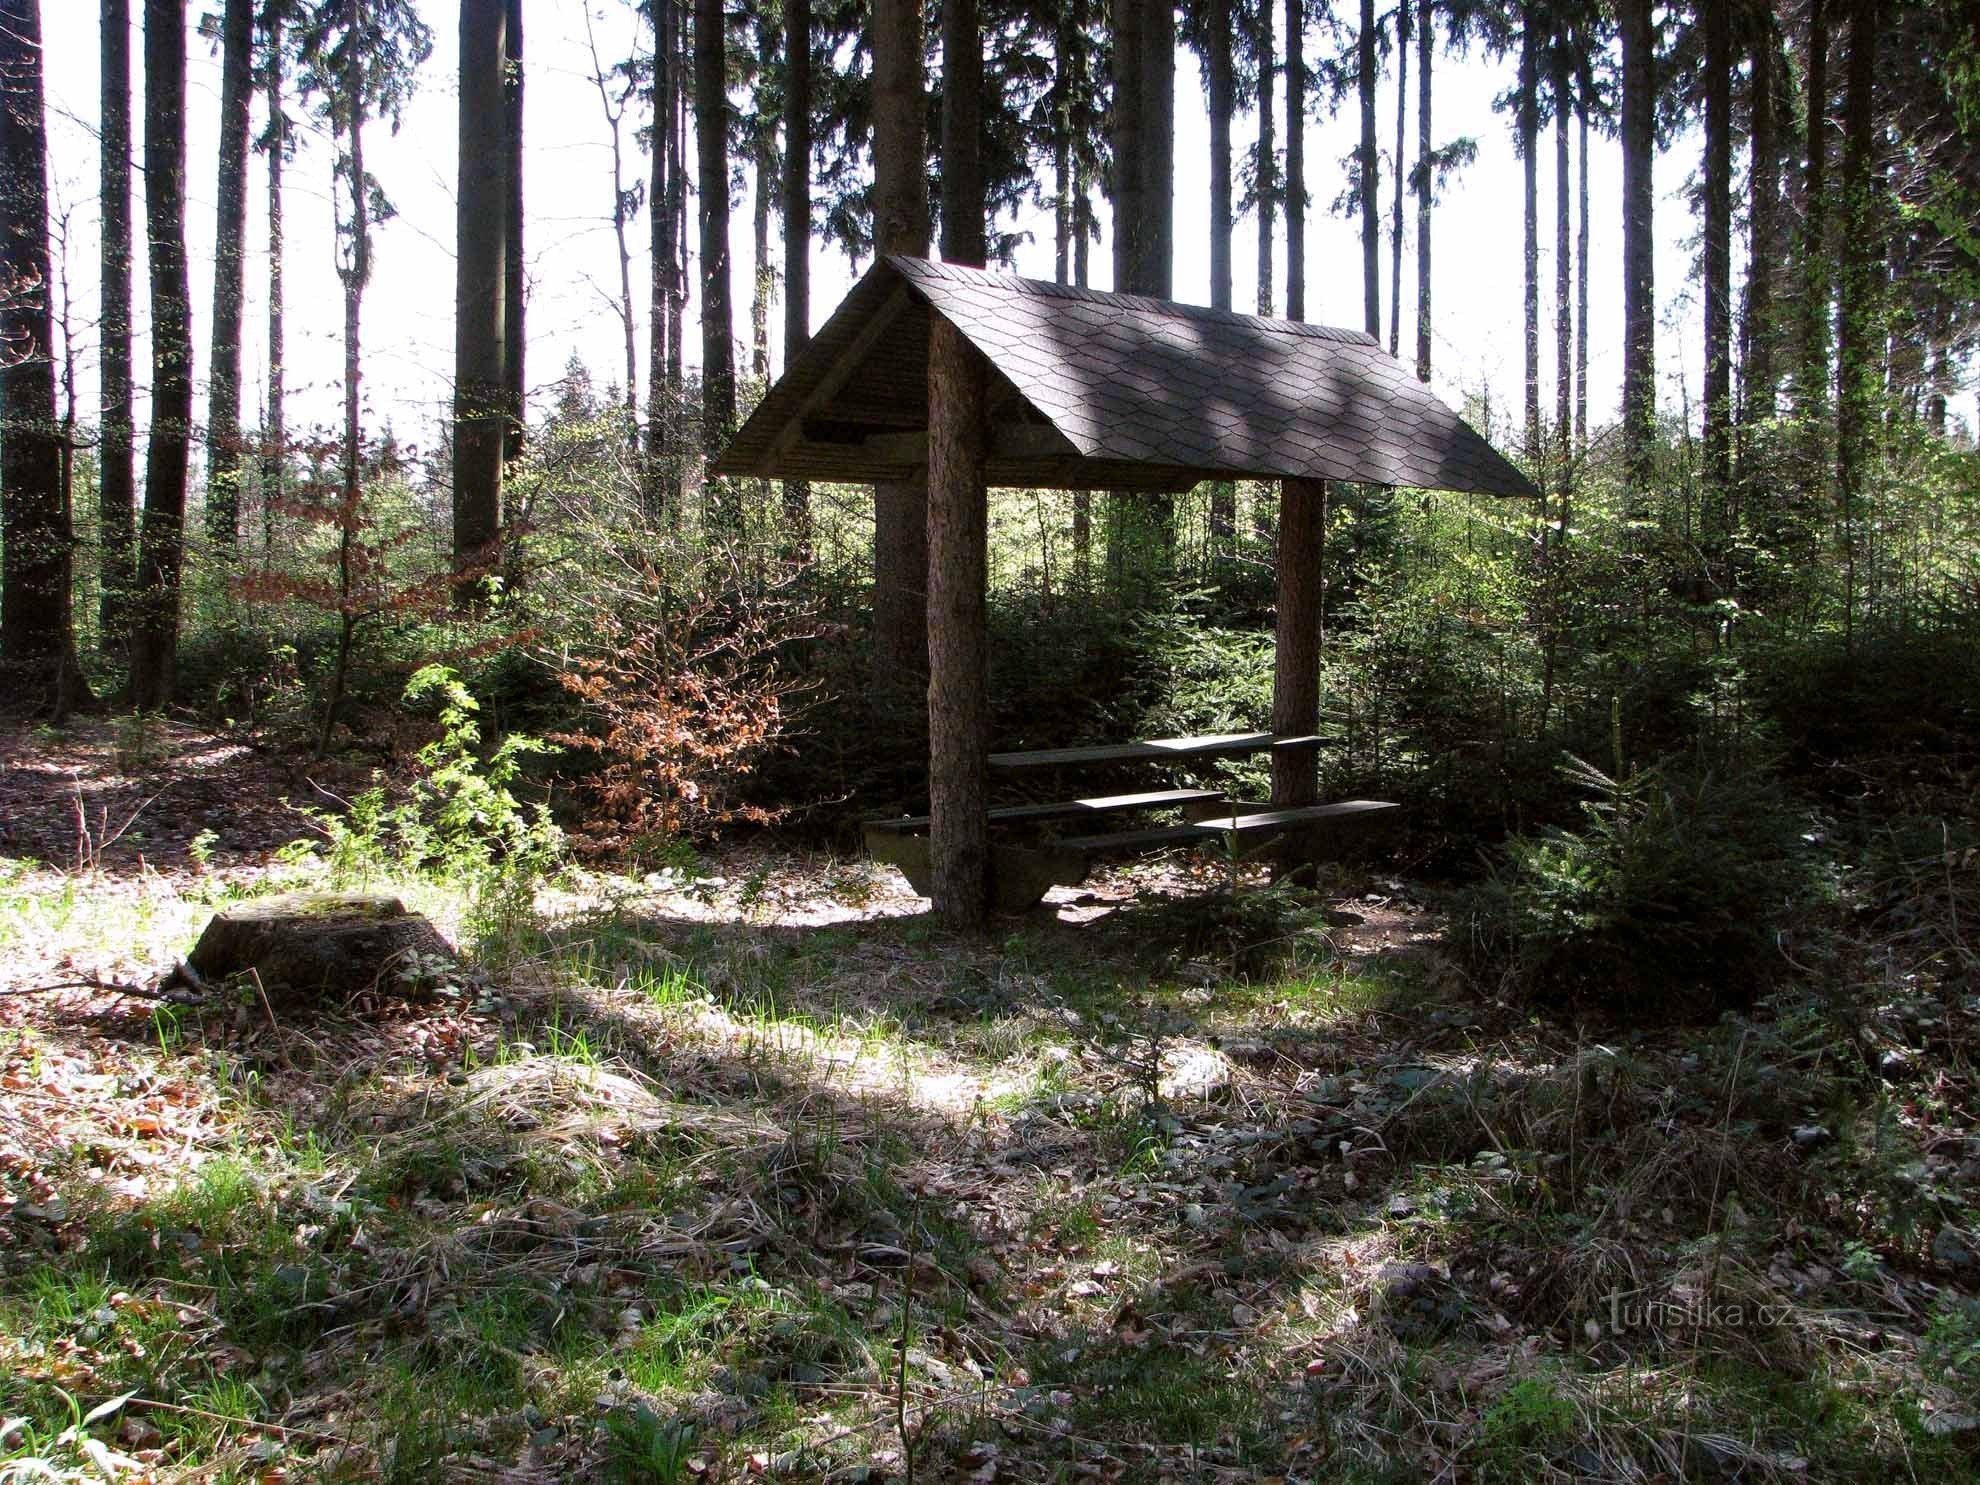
(769, 1176)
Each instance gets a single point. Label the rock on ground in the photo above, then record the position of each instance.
(307, 947)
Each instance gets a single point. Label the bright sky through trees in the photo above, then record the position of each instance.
(571, 255)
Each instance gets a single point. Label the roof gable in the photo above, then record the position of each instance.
(1096, 390)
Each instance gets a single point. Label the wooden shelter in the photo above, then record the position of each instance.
(972, 378)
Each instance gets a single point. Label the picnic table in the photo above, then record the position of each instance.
(1022, 874)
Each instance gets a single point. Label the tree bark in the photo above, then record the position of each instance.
(1563, 278)
(1718, 261)
(1935, 400)
(161, 544)
(1063, 46)
(655, 474)
(763, 168)
(1219, 80)
(223, 395)
(514, 340)
(614, 113)
(1759, 380)
(36, 638)
(1639, 385)
(275, 442)
(796, 211)
(1296, 658)
(677, 194)
(1371, 171)
(1529, 153)
(718, 366)
(1220, 84)
(480, 294)
(1859, 334)
(963, 238)
(1265, 184)
(1128, 137)
(958, 647)
(1426, 46)
(900, 225)
(1818, 283)
(1295, 159)
(1581, 283)
(1158, 178)
(116, 475)
(1396, 216)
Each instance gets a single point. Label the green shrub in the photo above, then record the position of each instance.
(460, 822)
(1678, 885)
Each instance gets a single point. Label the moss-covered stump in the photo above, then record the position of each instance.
(309, 947)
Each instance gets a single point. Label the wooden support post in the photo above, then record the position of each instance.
(1296, 666)
(958, 644)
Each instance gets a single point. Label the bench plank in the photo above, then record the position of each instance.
(1065, 809)
(1314, 814)
(1256, 822)
(1220, 745)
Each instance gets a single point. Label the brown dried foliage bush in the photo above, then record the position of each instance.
(682, 683)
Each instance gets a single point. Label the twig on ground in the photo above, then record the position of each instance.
(165, 993)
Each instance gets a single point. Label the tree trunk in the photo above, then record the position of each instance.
(900, 225)
(1718, 262)
(275, 443)
(1581, 284)
(1220, 83)
(614, 113)
(514, 341)
(1818, 284)
(36, 639)
(655, 474)
(1859, 334)
(1639, 141)
(723, 507)
(1082, 215)
(161, 544)
(1563, 279)
(223, 395)
(677, 282)
(763, 168)
(1158, 177)
(1758, 400)
(1265, 184)
(1942, 382)
(1296, 659)
(480, 294)
(958, 646)
(796, 210)
(958, 512)
(1426, 46)
(1063, 46)
(1127, 141)
(1529, 158)
(1147, 522)
(962, 134)
(1371, 172)
(1295, 159)
(116, 487)
(1396, 217)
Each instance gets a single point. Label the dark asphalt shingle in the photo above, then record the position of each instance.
(1127, 380)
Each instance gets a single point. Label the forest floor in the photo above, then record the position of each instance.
(757, 1172)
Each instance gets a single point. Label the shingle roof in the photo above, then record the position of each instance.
(1094, 390)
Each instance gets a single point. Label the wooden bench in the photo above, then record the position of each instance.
(1247, 821)
(1064, 809)
(1021, 875)
(1158, 750)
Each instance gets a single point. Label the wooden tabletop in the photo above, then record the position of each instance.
(1219, 745)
